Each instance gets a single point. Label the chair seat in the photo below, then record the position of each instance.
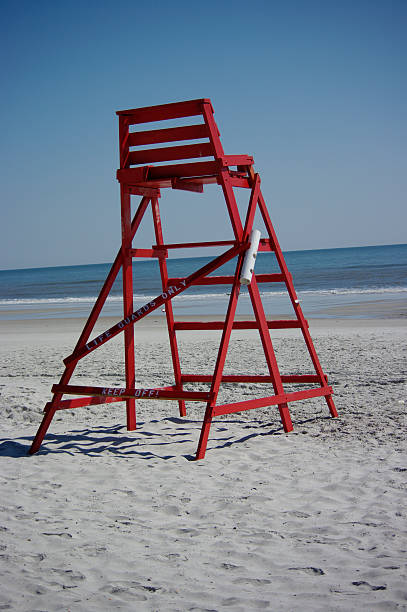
(202, 173)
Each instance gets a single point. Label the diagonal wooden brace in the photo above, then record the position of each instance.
(154, 304)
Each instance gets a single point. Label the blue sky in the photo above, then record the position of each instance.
(314, 90)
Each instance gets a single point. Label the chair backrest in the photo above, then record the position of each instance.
(202, 135)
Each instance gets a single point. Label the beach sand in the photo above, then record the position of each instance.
(105, 519)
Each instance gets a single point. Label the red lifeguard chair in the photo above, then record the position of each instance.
(139, 175)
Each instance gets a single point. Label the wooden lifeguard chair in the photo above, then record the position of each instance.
(144, 172)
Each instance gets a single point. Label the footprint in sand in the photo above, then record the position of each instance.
(369, 587)
(314, 571)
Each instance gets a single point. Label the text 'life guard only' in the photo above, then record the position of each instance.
(144, 172)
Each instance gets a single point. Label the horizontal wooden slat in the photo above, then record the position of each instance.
(81, 402)
(186, 185)
(191, 245)
(240, 182)
(271, 401)
(166, 181)
(186, 132)
(147, 156)
(150, 192)
(163, 393)
(205, 325)
(132, 176)
(264, 245)
(242, 378)
(228, 280)
(147, 253)
(194, 169)
(164, 111)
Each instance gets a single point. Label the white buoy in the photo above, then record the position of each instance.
(250, 258)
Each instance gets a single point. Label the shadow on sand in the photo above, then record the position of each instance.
(145, 444)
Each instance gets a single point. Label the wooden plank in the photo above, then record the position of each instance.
(166, 181)
(206, 325)
(150, 192)
(191, 245)
(169, 315)
(127, 284)
(240, 182)
(244, 378)
(132, 176)
(271, 401)
(146, 156)
(147, 253)
(161, 112)
(193, 169)
(186, 132)
(186, 185)
(166, 393)
(228, 280)
(81, 402)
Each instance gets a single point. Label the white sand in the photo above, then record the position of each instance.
(104, 519)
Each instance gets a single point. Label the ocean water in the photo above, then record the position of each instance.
(324, 279)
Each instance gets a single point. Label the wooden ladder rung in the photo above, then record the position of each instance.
(228, 280)
(147, 253)
(204, 325)
(242, 378)
(271, 401)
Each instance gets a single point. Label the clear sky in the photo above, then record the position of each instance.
(315, 90)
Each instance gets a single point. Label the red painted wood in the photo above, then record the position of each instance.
(186, 185)
(207, 112)
(228, 280)
(271, 401)
(164, 111)
(82, 402)
(192, 245)
(139, 393)
(240, 182)
(166, 181)
(42, 430)
(269, 352)
(123, 142)
(187, 132)
(237, 160)
(193, 169)
(168, 310)
(147, 156)
(220, 362)
(146, 253)
(150, 192)
(127, 279)
(265, 245)
(225, 182)
(204, 325)
(242, 378)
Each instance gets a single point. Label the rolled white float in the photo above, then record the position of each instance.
(250, 258)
